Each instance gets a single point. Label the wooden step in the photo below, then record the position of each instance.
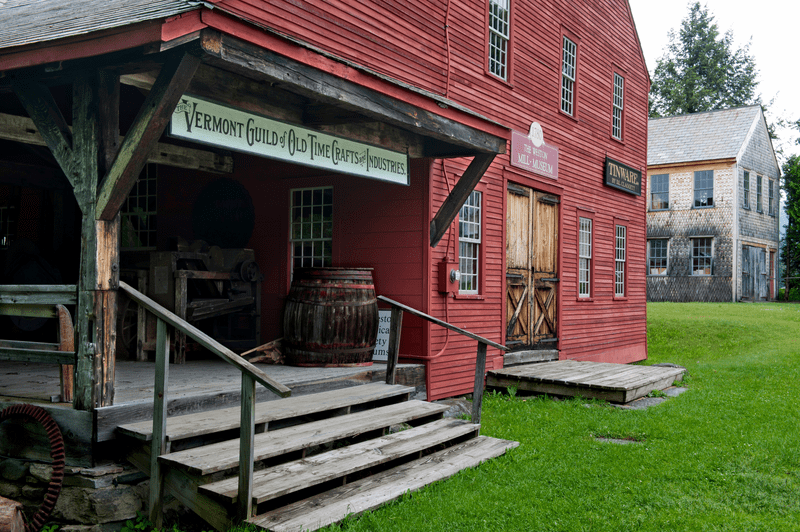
(300, 474)
(282, 411)
(372, 492)
(224, 456)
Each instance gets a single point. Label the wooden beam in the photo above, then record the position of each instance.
(22, 129)
(144, 133)
(461, 191)
(41, 107)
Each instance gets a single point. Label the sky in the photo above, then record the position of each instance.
(773, 27)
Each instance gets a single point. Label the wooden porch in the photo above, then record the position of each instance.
(618, 383)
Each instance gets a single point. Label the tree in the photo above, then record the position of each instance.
(791, 243)
(701, 70)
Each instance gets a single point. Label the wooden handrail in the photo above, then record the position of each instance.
(205, 340)
(250, 375)
(393, 349)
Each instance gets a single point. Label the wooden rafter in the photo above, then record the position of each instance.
(145, 132)
(461, 191)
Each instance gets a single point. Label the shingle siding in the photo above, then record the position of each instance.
(705, 137)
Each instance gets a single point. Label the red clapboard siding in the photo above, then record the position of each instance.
(386, 227)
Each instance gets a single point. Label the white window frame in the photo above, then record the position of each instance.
(759, 194)
(310, 234)
(747, 190)
(701, 177)
(619, 262)
(706, 262)
(771, 185)
(499, 37)
(651, 258)
(569, 56)
(585, 257)
(469, 243)
(139, 213)
(660, 193)
(618, 106)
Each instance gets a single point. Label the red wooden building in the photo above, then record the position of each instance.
(546, 227)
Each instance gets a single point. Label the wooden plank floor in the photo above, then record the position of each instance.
(619, 383)
(134, 380)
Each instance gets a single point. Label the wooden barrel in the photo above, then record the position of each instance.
(330, 318)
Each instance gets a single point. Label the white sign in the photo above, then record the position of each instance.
(382, 344)
(210, 123)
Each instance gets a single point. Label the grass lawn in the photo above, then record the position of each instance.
(723, 456)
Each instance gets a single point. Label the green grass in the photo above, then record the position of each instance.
(723, 456)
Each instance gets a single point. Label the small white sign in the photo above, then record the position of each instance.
(382, 344)
(214, 124)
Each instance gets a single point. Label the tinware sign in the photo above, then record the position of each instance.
(623, 177)
(210, 123)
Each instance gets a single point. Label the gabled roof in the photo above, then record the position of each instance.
(31, 21)
(706, 136)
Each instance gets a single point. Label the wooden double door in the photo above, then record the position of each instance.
(531, 268)
(755, 277)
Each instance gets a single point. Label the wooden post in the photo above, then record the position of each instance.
(477, 393)
(158, 445)
(181, 299)
(393, 349)
(246, 443)
(141, 318)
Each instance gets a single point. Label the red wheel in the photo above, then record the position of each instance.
(56, 454)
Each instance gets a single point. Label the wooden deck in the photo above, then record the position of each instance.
(618, 383)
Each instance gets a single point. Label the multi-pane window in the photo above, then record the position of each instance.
(8, 223)
(657, 256)
(616, 123)
(585, 258)
(498, 37)
(311, 234)
(701, 256)
(469, 242)
(704, 188)
(747, 190)
(568, 58)
(659, 192)
(138, 215)
(619, 265)
(758, 193)
(771, 197)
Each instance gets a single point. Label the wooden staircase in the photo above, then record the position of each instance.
(300, 463)
(318, 458)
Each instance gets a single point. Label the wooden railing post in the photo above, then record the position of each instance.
(246, 443)
(477, 393)
(159, 442)
(393, 349)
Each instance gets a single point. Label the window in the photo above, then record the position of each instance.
(498, 37)
(585, 258)
(771, 197)
(659, 192)
(758, 194)
(8, 223)
(469, 242)
(312, 227)
(747, 190)
(701, 256)
(619, 266)
(657, 256)
(616, 121)
(704, 188)
(139, 212)
(568, 58)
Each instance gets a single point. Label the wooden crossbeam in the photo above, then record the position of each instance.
(461, 191)
(143, 135)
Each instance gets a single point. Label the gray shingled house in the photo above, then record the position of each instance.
(713, 207)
